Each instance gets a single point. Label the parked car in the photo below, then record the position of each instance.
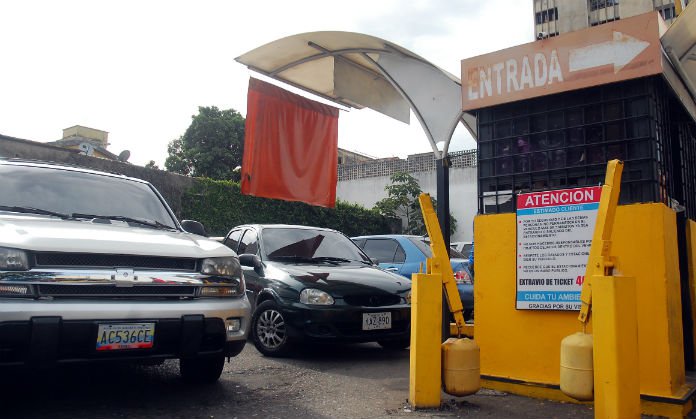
(95, 267)
(462, 247)
(315, 285)
(406, 255)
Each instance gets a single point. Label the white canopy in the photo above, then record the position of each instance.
(358, 71)
(679, 43)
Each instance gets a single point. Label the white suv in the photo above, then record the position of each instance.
(95, 267)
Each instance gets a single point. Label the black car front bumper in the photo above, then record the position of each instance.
(343, 323)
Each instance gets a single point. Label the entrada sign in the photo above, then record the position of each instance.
(619, 50)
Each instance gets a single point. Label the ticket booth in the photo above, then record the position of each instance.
(550, 114)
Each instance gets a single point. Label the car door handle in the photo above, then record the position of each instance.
(392, 269)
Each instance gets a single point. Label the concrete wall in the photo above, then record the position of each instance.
(636, 7)
(463, 194)
(171, 186)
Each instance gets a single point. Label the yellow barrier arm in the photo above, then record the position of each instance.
(440, 262)
(600, 261)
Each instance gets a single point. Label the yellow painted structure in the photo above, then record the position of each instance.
(616, 382)
(466, 331)
(691, 251)
(102, 137)
(577, 368)
(461, 367)
(520, 348)
(440, 263)
(601, 260)
(425, 377)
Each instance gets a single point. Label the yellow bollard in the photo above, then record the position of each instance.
(461, 370)
(615, 331)
(425, 382)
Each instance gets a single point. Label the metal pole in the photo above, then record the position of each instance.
(443, 207)
(442, 170)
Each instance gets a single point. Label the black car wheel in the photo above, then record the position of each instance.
(269, 330)
(395, 345)
(203, 370)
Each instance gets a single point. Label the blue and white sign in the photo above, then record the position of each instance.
(554, 234)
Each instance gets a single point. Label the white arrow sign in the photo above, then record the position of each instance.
(619, 52)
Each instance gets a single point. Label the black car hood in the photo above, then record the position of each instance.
(342, 279)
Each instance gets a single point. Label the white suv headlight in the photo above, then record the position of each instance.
(13, 259)
(224, 266)
(315, 297)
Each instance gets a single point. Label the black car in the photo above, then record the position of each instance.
(314, 284)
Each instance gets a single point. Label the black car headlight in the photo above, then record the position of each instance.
(317, 297)
(13, 259)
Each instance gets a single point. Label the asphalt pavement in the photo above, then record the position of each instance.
(336, 381)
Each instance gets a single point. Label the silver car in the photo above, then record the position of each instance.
(95, 267)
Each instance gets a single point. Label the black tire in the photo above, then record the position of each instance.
(469, 315)
(395, 345)
(203, 370)
(269, 330)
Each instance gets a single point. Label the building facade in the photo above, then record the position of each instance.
(554, 17)
(364, 183)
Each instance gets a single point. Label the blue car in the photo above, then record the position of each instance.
(405, 254)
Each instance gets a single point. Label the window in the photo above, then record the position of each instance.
(232, 241)
(68, 191)
(400, 256)
(360, 243)
(601, 4)
(249, 243)
(572, 135)
(548, 15)
(667, 11)
(283, 243)
(384, 250)
(600, 22)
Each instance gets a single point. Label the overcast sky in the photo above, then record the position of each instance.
(140, 69)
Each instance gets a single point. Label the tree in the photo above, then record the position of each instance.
(152, 165)
(212, 145)
(402, 202)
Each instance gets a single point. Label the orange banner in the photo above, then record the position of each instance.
(290, 147)
(620, 50)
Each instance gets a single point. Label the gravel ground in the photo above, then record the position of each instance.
(351, 381)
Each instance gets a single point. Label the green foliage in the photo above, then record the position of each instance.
(219, 205)
(402, 202)
(211, 147)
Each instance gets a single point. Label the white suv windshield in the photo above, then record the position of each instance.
(70, 192)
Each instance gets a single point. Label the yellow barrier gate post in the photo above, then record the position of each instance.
(615, 325)
(425, 374)
(441, 262)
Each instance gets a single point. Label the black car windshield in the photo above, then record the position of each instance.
(308, 244)
(42, 190)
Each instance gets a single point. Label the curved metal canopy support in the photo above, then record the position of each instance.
(436, 104)
(358, 71)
